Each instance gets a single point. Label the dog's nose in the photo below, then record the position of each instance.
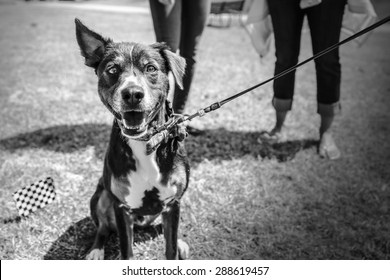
(133, 95)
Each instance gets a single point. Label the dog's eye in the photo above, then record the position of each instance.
(112, 71)
(151, 69)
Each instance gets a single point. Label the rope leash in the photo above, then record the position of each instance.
(163, 133)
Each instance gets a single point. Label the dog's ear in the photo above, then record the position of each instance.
(176, 64)
(92, 45)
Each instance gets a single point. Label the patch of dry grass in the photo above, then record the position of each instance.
(248, 198)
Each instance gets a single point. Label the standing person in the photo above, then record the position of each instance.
(180, 24)
(325, 20)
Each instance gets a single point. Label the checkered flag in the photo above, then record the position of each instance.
(35, 196)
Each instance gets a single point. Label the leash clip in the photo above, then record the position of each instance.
(170, 129)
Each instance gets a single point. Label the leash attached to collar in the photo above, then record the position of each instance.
(163, 132)
(170, 129)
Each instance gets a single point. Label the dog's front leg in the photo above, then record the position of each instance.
(124, 223)
(174, 248)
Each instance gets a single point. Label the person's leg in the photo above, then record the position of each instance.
(194, 18)
(167, 22)
(287, 20)
(325, 24)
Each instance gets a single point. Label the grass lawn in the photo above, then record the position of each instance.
(248, 198)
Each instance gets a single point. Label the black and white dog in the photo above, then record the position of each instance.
(135, 186)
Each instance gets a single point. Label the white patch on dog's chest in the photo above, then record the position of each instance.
(146, 177)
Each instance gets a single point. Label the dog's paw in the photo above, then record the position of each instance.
(95, 254)
(184, 250)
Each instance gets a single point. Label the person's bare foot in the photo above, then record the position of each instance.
(274, 135)
(327, 147)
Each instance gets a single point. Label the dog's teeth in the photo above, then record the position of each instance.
(133, 127)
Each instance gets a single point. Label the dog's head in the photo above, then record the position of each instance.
(133, 78)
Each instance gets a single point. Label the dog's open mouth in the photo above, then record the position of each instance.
(133, 123)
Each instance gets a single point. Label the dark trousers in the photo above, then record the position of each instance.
(181, 27)
(325, 24)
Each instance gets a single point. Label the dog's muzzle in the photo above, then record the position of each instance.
(135, 124)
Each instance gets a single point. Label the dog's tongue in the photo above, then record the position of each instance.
(133, 119)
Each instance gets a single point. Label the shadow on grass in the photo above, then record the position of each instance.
(216, 144)
(78, 238)
(63, 139)
(222, 144)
